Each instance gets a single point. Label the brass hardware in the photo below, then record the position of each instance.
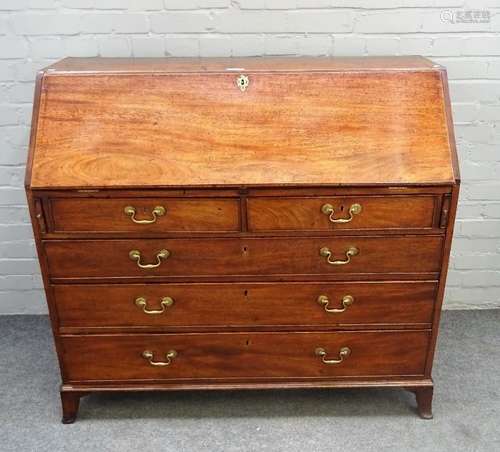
(135, 255)
(347, 300)
(242, 82)
(142, 303)
(343, 353)
(329, 210)
(170, 355)
(325, 252)
(158, 211)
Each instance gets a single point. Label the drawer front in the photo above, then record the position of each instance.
(243, 355)
(244, 304)
(224, 257)
(145, 215)
(333, 213)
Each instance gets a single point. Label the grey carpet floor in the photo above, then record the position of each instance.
(466, 405)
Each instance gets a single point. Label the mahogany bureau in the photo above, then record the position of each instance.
(243, 223)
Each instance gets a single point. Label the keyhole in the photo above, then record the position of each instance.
(341, 208)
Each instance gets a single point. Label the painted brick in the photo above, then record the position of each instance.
(181, 22)
(485, 191)
(215, 46)
(47, 47)
(447, 46)
(34, 33)
(13, 48)
(81, 47)
(80, 4)
(349, 46)
(145, 5)
(247, 45)
(113, 4)
(310, 21)
(46, 24)
(416, 46)
(479, 228)
(472, 171)
(388, 22)
(20, 282)
(477, 262)
(119, 23)
(42, 4)
(19, 249)
(481, 46)
(382, 46)
(465, 113)
(115, 47)
(196, 4)
(148, 47)
(182, 46)
(250, 22)
(19, 267)
(281, 45)
(11, 5)
(14, 214)
(316, 45)
(23, 302)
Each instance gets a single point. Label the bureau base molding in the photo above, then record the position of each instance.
(193, 235)
(422, 388)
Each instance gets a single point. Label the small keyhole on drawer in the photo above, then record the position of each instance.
(341, 208)
(248, 342)
(245, 293)
(245, 249)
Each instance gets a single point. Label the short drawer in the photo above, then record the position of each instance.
(334, 213)
(244, 304)
(244, 355)
(145, 215)
(233, 256)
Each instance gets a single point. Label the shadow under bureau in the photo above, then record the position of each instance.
(243, 223)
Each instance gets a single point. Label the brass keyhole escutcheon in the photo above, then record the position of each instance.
(242, 82)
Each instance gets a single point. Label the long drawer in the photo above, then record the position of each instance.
(226, 256)
(244, 355)
(244, 304)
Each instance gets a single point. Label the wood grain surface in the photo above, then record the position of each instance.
(221, 256)
(244, 355)
(244, 304)
(378, 212)
(181, 215)
(243, 176)
(200, 130)
(267, 64)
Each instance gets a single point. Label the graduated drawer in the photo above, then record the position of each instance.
(244, 304)
(145, 215)
(244, 355)
(333, 213)
(240, 257)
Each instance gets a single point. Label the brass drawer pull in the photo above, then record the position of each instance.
(170, 355)
(347, 300)
(135, 255)
(142, 303)
(343, 353)
(158, 211)
(329, 210)
(325, 252)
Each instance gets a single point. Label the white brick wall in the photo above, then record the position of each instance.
(34, 33)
